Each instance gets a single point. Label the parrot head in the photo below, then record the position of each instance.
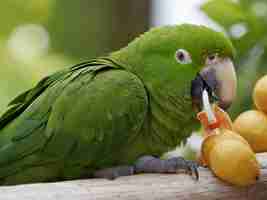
(181, 61)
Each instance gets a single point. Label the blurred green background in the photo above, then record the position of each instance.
(38, 37)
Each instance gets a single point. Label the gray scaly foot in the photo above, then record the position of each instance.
(150, 164)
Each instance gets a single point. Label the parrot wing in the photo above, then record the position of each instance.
(95, 119)
(22, 101)
(23, 125)
(33, 124)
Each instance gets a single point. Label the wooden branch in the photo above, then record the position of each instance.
(142, 187)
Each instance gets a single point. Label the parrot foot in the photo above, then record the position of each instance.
(150, 164)
(114, 172)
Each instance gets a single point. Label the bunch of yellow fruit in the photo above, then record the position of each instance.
(225, 152)
(230, 156)
(252, 124)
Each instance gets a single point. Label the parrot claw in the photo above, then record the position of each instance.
(193, 168)
(189, 166)
(150, 164)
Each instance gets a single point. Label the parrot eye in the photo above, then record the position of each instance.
(183, 57)
(212, 59)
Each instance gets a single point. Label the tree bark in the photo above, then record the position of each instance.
(142, 187)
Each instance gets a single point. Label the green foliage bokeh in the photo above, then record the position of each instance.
(65, 31)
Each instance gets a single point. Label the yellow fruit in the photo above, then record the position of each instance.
(230, 158)
(252, 125)
(260, 94)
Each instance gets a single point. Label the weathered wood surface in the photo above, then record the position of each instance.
(142, 187)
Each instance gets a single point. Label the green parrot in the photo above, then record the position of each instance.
(116, 115)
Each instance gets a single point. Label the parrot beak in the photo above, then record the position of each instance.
(219, 79)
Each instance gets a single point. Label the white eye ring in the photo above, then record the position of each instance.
(183, 57)
(212, 59)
